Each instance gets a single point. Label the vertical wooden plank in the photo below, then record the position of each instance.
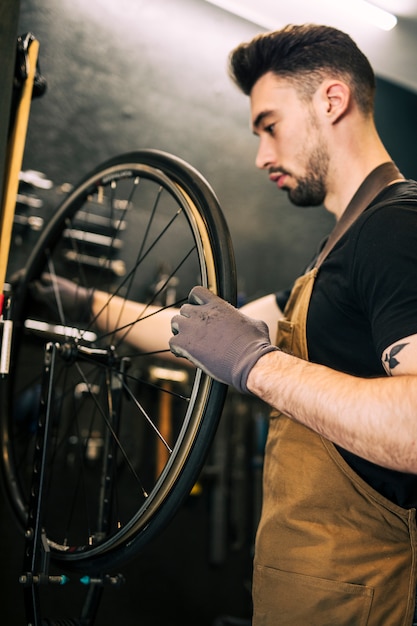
(13, 166)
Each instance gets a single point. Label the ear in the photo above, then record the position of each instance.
(334, 99)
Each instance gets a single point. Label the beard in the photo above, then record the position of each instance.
(311, 188)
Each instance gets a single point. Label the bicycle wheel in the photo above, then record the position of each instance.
(130, 426)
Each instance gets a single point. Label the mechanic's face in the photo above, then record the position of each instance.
(291, 146)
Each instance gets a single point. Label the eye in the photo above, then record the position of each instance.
(270, 129)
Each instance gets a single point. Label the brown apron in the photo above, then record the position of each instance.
(330, 550)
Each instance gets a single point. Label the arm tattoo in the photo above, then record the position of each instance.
(391, 357)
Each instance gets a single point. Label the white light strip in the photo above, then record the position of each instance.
(241, 10)
(358, 10)
(368, 12)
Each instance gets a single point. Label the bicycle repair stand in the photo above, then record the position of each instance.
(37, 553)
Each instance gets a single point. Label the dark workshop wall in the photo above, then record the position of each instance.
(396, 119)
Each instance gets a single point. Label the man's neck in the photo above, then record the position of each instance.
(356, 150)
(348, 182)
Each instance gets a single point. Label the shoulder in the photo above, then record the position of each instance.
(398, 195)
(390, 218)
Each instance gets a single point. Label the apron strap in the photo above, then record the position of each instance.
(373, 184)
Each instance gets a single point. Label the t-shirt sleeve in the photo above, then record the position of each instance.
(384, 272)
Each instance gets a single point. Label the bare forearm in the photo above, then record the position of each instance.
(146, 327)
(373, 418)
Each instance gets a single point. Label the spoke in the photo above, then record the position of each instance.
(129, 202)
(73, 426)
(142, 314)
(57, 293)
(146, 416)
(141, 248)
(113, 433)
(137, 264)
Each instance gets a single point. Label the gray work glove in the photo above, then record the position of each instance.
(218, 338)
(62, 295)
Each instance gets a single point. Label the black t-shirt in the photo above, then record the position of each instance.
(364, 299)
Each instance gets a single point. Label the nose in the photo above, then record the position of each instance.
(265, 155)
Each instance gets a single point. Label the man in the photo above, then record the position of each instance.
(336, 544)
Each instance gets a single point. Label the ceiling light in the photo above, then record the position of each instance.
(368, 12)
(265, 12)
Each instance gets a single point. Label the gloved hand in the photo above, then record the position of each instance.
(58, 294)
(219, 339)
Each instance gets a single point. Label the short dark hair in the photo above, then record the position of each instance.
(305, 54)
